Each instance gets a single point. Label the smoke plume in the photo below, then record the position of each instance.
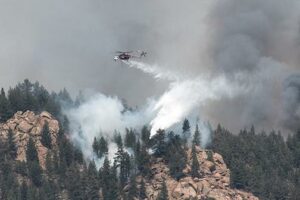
(104, 115)
(154, 70)
(291, 97)
(189, 96)
(101, 115)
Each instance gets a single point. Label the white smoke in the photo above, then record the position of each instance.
(103, 115)
(154, 70)
(188, 96)
(185, 95)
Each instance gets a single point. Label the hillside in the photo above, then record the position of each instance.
(213, 181)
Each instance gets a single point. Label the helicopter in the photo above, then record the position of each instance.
(126, 55)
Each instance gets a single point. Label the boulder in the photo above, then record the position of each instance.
(24, 126)
(218, 159)
(184, 191)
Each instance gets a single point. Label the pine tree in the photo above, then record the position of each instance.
(29, 99)
(31, 153)
(46, 137)
(21, 168)
(125, 167)
(73, 183)
(13, 194)
(210, 156)
(163, 195)
(92, 171)
(49, 191)
(63, 126)
(132, 192)
(142, 159)
(113, 184)
(9, 183)
(65, 97)
(49, 163)
(3, 151)
(176, 164)
(66, 153)
(100, 147)
(12, 148)
(55, 163)
(122, 161)
(197, 137)
(195, 163)
(109, 181)
(79, 99)
(41, 95)
(176, 156)
(160, 146)
(186, 130)
(32, 193)
(118, 140)
(119, 155)
(96, 147)
(5, 108)
(130, 138)
(35, 173)
(142, 191)
(62, 169)
(145, 136)
(78, 156)
(103, 147)
(15, 98)
(23, 191)
(137, 148)
(92, 189)
(85, 184)
(105, 178)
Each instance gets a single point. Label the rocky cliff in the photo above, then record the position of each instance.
(26, 124)
(213, 184)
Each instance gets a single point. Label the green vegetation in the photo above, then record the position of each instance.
(31, 96)
(100, 147)
(195, 163)
(46, 137)
(265, 164)
(163, 195)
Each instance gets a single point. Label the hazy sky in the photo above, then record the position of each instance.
(71, 43)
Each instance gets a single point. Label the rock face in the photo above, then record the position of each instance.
(214, 182)
(26, 124)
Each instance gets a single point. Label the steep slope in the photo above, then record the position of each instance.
(26, 124)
